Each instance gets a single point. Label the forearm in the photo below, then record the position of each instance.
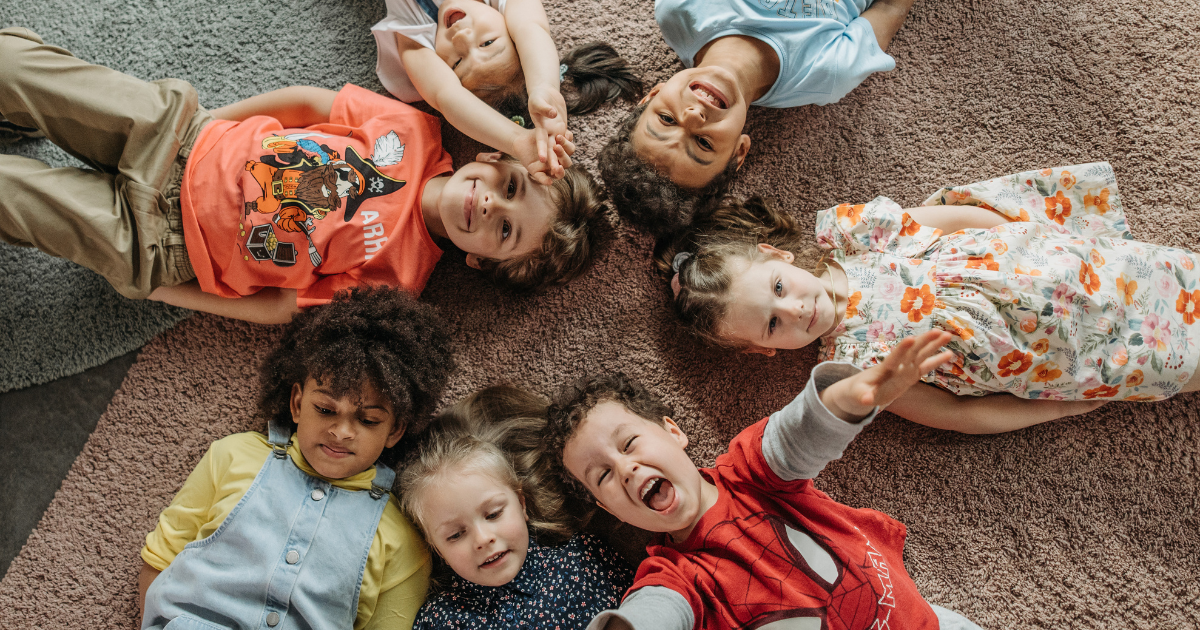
(950, 219)
(269, 306)
(648, 608)
(800, 439)
(294, 107)
(530, 32)
(441, 89)
(145, 577)
(993, 413)
(886, 17)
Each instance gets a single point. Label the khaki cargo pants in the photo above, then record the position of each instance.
(122, 219)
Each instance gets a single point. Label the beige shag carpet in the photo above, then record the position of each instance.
(1085, 523)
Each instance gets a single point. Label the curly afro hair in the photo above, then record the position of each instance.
(572, 404)
(646, 198)
(381, 336)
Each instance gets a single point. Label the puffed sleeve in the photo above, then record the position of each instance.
(880, 225)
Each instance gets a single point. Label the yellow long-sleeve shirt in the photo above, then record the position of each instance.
(398, 564)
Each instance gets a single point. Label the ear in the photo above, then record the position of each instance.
(651, 94)
(770, 352)
(771, 250)
(605, 508)
(521, 498)
(297, 394)
(743, 147)
(473, 261)
(675, 432)
(494, 156)
(397, 432)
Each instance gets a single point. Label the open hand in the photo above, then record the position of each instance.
(878, 386)
(548, 111)
(544, 171)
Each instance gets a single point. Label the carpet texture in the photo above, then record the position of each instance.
(1085, 523)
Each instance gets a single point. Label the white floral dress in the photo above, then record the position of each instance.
(1060, 303)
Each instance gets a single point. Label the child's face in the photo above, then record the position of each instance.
(692, 126)
(472, 38)
(493, 209)
(341, 437)
(477, 523)
(774, 304)
(637, 469)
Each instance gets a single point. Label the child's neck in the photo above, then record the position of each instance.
(752, 61)
(708, 498)
(835, 280)
(429, 205)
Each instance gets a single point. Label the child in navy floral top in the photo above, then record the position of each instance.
(477, 489)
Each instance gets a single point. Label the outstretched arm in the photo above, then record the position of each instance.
(295, 107)
(854, 398)
(269, 306)
(950, 219)
(886, 17)
(994, 413)
(530, 32)
(440, 87)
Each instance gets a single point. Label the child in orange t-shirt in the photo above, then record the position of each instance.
(271, 203)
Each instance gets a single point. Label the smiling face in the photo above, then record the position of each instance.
(774, 304)
(477, 524)
(341, 437)
(692, 126)
(493, 209)
(472, 38)
(638, 470)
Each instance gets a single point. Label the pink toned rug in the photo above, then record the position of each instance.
(1085, 523)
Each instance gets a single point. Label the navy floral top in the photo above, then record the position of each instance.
(558, 588)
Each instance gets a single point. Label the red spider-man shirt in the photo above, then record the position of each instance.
(783, 555)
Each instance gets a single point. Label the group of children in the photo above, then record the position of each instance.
(989, 308)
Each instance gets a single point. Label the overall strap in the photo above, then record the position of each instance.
(429, 8)
(382, 484)
(279, 434)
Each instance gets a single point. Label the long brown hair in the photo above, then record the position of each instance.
(729, 229)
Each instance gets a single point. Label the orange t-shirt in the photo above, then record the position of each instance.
(328, 207)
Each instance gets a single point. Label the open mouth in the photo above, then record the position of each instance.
(708, 93)
(453, 16)
(493, 559)
(658, 494)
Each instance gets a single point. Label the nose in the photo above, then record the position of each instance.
(483, 536)
(795, 308)
(343, 429)
(692, 116)
(627, 469)
(460, 38)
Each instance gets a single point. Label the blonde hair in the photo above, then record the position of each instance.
(730, 229)
(497, 431)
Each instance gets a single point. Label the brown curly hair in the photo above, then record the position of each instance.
(647, 198)
(572, 404)
(367, 335)
(732, 228)
(568, 246)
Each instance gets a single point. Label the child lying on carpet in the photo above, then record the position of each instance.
(679, 149)
(750, 543)
(278, 202)
(465, 57)
(477, 488)
(299, 530)
(1035, 274)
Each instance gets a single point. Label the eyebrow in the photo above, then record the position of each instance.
(587, 470)
(686, 148)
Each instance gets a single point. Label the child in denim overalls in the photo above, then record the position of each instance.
(276, 531)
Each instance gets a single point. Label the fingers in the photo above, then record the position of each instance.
(541, 144)
(541, 178)
(563, 159)
(566, 143)
(934, 362)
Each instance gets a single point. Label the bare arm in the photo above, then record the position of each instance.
(854, 398)
(995, 413)
(295, 107)
(145, 577)
(951, 219)
(269, 306)
(530, 31)
(886, 17)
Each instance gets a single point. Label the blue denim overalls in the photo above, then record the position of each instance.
(291, 554)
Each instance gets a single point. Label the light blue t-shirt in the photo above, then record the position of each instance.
(825, 49)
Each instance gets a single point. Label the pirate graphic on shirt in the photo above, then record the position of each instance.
(302, 182)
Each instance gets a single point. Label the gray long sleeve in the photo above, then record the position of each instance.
(650, 608)
(804, 436)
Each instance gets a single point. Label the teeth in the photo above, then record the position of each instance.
(648, 486)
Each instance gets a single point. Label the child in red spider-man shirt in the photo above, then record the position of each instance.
(750, 543)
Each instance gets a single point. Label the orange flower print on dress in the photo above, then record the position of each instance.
(999, 246)
(1120, 357)
(1104, 391)
(1040, 347)
(1058, 208)
(1187, 305)
(1135, 378)
(908, 225)
(962, 331)
(1026, 271)
(1140, 398)
(1024, 215)
(852, 305)
(1014, 363)
(1029, 322)
(1186, 263)
(1066, 180)
(1097, 259)
(1126, 288)
(1088, 278)
(917, 303)
(1047, 172)
(986, 262)
(1096, 204)
(1046, 372)
(849, 215)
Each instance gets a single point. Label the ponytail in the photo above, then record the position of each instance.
(599, 75)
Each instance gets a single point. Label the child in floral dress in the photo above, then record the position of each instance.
(1047, 295)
